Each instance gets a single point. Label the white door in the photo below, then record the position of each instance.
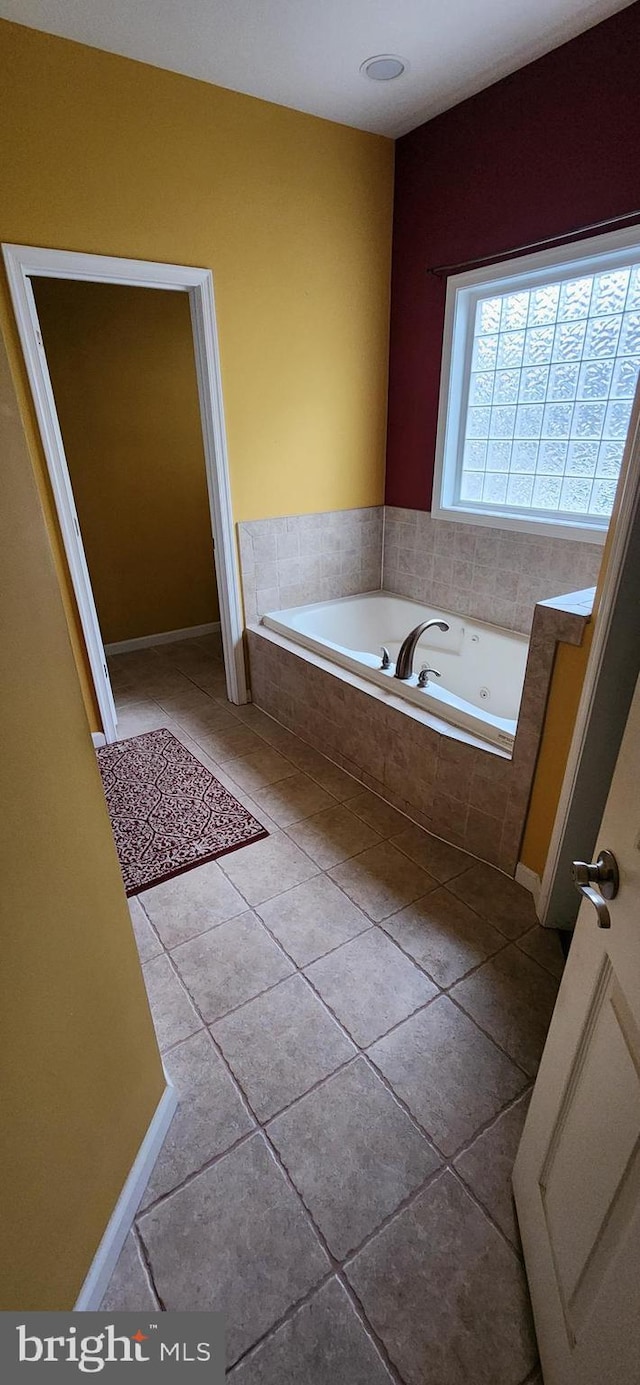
(577, 1174)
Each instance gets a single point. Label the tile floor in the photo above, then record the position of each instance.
(352, 1013)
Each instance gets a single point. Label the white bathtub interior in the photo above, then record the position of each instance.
(482, 667)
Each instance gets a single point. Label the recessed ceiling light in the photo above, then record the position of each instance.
(384, 67)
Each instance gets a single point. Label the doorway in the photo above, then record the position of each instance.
(27, 267)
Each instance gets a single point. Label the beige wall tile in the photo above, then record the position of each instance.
(489, 574)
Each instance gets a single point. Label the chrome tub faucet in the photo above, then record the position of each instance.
(404, 665)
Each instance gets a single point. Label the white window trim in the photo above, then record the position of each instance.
(615, 249)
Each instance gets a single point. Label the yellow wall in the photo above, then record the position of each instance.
(123, 372)
(81, 1075)
(564, 696)
(292, 214)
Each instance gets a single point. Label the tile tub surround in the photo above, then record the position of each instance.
(458, 788)
(496, 575)
(299, 558)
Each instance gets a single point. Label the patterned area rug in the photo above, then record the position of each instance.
(167, 811)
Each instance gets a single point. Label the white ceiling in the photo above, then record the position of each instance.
(307, 53)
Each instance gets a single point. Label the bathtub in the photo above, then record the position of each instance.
(482, 667)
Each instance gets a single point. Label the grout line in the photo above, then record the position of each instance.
(208, 1023)
(424, 1005)
(260, 1126)
(369, 1329)
(212, 927)
(286, 1317)
(445, 990)
(147, 1267)
(204, 1025)
(529, 1076)
(325, 1004)
(471, 1193)
(447, 1161)
(489, 1123)
(190, 1177)
(422, 967)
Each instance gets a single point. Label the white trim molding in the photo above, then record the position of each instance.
(25, 262)
(190, 632)
(121, 1219)
(529, 880)
(99, 739)
(590, 733)
(612, 250)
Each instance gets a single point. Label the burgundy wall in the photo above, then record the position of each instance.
(553, 147)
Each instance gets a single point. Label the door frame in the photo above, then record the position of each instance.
(24, 262)
(612, 670)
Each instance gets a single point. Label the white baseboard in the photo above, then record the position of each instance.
(99, 739)
(106, 1256)
(190, 632)
(528, 878)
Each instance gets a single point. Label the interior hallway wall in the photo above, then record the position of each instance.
(562, 708)
(81, 1074)
(123, 372)
(292, 214)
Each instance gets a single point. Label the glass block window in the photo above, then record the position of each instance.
(542, 383)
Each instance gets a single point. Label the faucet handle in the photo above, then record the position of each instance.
(386, 659)
(423, 676)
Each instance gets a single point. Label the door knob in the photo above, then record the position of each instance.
(603, 873)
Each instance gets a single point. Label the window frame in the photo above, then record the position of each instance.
(613, 250)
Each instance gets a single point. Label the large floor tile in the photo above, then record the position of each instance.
(210, 1117)
(543, 944)
(353, 1154)
(235, 1240)
(259, 721)
(435, 856)
(280, 1044)
(129, 1289)
(227, 743)
(332, 778)
(146, 941)
(370, 985)
(450, 1075)
(266, 868)
(198, 714)
(444, 936)
(263, 766)
(501, 900)
(230, 964)
(137, 718)
(294, 798)
(512, 998)
(172, 1012)
(192, 903)
(445, 1293)
(380, 815)
(323, 1343)
(313, 918)
(382, 880)
(333, 835)
(487, 1165)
